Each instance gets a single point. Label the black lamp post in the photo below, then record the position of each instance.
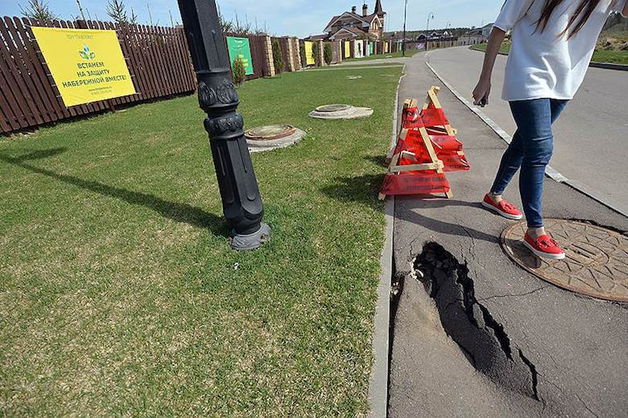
(430, 15)
(241, 201)
(405, 14)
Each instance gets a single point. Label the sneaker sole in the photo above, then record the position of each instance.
(503, 214)
(541, 254)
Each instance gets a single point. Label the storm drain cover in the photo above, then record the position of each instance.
(596, 264)
(340, 111)
(268, 138)
(266, 133)
(332, 108)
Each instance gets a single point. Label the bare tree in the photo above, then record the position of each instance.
(38, 10)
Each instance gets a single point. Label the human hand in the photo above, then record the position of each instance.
(482, 92)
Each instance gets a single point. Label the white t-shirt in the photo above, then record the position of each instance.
(541, 64)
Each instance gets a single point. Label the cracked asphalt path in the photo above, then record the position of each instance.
(495, 341)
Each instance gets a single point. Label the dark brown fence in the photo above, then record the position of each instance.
(157, 58)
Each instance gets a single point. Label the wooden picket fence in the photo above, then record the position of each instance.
(157, 57)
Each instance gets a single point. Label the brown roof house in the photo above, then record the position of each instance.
(351, 25)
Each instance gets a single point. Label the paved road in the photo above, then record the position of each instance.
(591, 136)
(487, 338)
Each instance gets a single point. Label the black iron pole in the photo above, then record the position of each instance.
(241, 201)
(403, 43)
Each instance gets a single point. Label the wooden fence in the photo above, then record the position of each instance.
(157, 57)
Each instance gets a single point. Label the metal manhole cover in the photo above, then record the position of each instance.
(596, 264)
(265, 133)
(333, 108)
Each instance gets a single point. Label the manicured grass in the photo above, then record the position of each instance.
(119, 294)
(601, 56)
(409, 53)
(504, 49)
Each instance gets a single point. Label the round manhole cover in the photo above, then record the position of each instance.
(596, 264)
(265, 133)
(333, 108)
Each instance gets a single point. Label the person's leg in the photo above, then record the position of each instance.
(513, 156)
(510, 164)
(534, 122)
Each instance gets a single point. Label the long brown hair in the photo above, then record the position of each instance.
(584, 12)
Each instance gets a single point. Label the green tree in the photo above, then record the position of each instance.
(277, 57)
(328, 54)
(302, 54)
(239, 72)
(38, 10)
(227, 25)
(315, 53)
(116, 9)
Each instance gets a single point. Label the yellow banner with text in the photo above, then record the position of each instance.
(87, 65)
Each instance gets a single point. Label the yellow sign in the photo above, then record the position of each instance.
(347, 49)
(87, 65)
(309, 53)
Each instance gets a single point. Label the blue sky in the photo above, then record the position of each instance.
(295, 17)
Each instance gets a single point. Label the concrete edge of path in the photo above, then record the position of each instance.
(378, 383)
(603, 65)
(550, 172)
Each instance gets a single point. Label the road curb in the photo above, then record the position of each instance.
(550, 172)
(378, 383)
(604, 65)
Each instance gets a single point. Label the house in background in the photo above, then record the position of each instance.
(353, 26)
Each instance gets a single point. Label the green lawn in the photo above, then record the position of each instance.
(409, 53)
(119, 294)
(601, 56)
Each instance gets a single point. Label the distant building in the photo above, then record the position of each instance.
(486, 30)
(351, 25)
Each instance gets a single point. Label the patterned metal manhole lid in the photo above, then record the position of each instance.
(265, 133)
(596, 264)
(333, 108)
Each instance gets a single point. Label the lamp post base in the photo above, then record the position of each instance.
(252, 241)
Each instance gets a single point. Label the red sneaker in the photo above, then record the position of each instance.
(544, 247)
(505, 209)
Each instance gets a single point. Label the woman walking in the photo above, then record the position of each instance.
(552, 45)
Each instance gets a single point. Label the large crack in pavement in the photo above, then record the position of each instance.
(481, 337)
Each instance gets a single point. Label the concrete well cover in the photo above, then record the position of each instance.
(332, 108)
(596, 264)
(265, 133)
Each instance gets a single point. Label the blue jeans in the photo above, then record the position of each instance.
(531, 150)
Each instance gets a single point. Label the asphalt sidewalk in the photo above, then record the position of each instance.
(525, 347)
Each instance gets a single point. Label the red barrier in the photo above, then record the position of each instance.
(427, 147)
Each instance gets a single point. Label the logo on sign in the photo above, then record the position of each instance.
(86, 54)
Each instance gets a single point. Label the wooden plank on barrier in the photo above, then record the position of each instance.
(15, 78)
(27, 73)
(41, 80)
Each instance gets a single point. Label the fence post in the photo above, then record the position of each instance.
(291, 66)
(321, 57)
(297, 53)
(268, 55)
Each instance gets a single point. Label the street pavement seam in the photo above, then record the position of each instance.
(378, 384)
(550, 172)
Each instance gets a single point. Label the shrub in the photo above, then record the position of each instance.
(277, 57)
(315, 53)
(239, 72)
(328, 55)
